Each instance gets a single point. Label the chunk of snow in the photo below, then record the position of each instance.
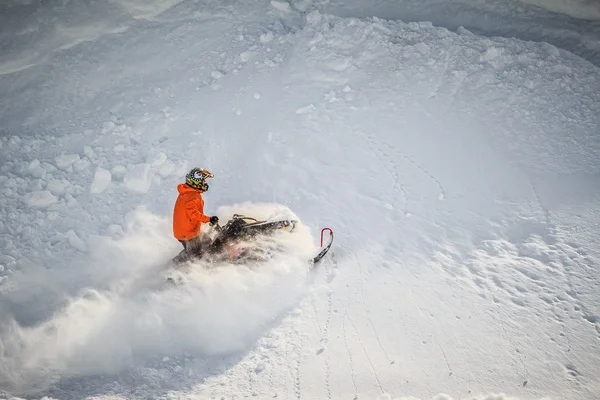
(8, 260)
(147, 9)
(58, 187)
(89, 152)
(216, 74)
(118, 130)
(40, 199)
(102, 179)
(36, 170)
(156, 158)
(260, 367)
(313, 18)
(71, 201)
(49, 167)
(461, 30)
(281, 6)
(107, 127)
(306, 109)
(14, 141)
(138, 179)
(81, 165)
(266, 37)
(245, 56)
(75, 241)
(58, 237)
(301, 5)
(64, 161)
(490, 54)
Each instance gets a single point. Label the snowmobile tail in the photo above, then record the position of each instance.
(324, 247)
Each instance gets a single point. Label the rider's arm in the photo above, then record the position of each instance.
(194, 214)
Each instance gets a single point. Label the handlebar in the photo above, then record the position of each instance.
(217, 227)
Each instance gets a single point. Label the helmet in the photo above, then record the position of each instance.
(196, 178)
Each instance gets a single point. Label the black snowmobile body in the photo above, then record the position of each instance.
(234, 241)
(241, 227)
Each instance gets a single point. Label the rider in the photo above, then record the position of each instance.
(188, 213)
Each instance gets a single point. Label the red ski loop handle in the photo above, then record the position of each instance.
(323, 231)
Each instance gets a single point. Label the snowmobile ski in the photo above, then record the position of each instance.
(324, 248)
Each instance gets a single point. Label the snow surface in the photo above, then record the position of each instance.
(458, 165)
(584, 9)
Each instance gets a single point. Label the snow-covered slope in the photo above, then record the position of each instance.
(460, 173)
(506, 18)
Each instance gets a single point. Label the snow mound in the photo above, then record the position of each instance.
(127, 313)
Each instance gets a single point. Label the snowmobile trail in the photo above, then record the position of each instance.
(394, 174)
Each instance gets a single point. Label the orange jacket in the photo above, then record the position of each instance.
(188, 213)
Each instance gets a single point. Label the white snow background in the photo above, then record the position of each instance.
(453, 146)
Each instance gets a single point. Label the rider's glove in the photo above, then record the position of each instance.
(214, 220)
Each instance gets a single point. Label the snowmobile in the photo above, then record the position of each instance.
(243, 239)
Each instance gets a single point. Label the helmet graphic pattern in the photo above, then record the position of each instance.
(196, 178)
